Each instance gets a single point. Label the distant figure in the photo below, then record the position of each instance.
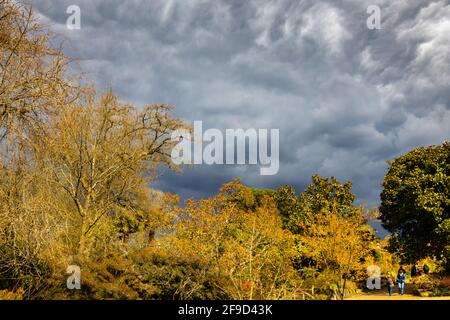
(401, 277)
(390, 283)
(426, 269)
(415, 270)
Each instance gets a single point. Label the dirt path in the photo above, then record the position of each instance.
(383, 295)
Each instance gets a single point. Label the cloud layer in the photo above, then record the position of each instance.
(345, 98)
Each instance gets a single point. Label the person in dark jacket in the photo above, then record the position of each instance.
(401, 278)
(426, 269)
(415, 270)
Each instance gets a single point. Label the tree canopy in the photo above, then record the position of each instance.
(415, 202)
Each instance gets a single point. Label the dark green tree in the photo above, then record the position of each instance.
(328, 194)
(288, 205)
(322, 194)
(415, 202)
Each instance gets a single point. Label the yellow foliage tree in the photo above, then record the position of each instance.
(337, 248)
(247, 249)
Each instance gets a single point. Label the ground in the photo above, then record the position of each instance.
(383, 295)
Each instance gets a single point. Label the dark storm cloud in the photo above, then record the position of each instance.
(345, 98)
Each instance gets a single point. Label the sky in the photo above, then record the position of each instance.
(345, 98)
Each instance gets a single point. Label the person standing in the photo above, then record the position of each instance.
(415, 270)
(426, 269)
(401, 278)
(390, 283)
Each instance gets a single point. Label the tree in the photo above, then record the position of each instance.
(75, 169)
(34, 81)
(321, 194)
(330, 195)
(34, 85)
(101, 156)
(245, 251)
(336, 249)
(334, 241)
(85, 188)
(415, 202)
(289, 207)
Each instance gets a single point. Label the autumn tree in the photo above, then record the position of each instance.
(333, 238)
(34, 84)
(101, 156)
(246, 252)
(34, 81)
(335, 249)
(75, 169)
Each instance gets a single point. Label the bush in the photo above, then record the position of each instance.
(425, 282)
(12, 295)
(434, 285)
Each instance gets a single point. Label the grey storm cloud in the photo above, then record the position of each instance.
(345, 98)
